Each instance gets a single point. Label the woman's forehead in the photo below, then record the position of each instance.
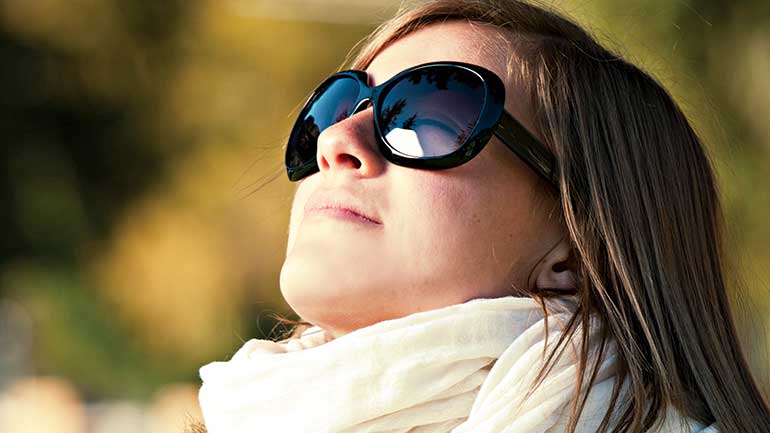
(454, 41)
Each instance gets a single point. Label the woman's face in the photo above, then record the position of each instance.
(441, 238)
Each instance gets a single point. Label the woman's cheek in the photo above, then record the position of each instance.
(301, 195)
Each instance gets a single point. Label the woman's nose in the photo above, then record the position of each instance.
(351, 144)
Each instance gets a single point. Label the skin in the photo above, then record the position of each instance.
(447, 236)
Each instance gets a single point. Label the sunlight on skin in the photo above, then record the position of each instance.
(446, 236)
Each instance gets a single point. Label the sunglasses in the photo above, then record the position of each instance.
(432, 116)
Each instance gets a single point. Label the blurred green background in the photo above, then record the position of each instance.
(136, 243)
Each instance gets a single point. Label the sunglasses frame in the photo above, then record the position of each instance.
(493, 120)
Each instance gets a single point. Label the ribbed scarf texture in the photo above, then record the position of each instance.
(465, 368)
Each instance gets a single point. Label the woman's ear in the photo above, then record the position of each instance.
(557, 271)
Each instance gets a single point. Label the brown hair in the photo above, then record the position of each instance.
(641, 206)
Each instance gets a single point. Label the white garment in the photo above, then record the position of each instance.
(464, 368)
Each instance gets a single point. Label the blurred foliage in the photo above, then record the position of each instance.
(135, 135)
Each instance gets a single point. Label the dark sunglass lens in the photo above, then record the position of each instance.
(335, 101)
(431, 112)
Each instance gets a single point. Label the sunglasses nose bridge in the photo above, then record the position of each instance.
(350, 144)
(363, 104)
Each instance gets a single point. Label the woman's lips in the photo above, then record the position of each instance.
(341, 204)
(341, 213)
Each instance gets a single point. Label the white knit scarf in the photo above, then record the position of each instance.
(464, 368)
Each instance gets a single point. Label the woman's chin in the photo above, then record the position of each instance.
(336, 302)
(307, 281)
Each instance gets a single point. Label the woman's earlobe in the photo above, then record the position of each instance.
(558, 269)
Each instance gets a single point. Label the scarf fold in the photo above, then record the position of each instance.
(465, 368)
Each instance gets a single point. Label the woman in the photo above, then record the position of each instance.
(499, 226)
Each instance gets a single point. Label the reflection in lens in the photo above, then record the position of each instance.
(431, 111)
(408, 142)
(335, 103)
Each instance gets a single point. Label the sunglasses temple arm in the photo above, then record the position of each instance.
(527, 147)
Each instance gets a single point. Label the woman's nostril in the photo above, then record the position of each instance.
(347, 157)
